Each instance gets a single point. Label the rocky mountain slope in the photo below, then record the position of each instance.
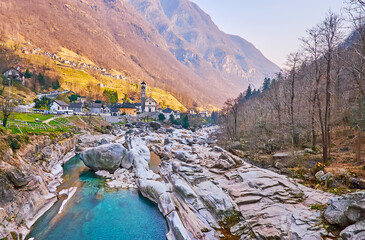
(194, 40)
(170, 44)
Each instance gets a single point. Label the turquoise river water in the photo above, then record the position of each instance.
(94, 213)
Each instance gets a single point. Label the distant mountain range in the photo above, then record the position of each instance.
(170, 44)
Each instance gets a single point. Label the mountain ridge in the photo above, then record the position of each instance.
(114, 34)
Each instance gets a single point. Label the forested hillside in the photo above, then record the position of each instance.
(316, 105)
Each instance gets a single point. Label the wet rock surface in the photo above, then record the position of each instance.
(28, 182)
(202, 189)
(346, 209)
(105, 157)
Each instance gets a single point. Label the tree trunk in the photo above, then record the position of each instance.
(358, 147)
(292, 106)
(313, 123)
(5, 120)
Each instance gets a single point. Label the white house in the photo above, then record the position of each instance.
(150, 105)
(14, 74)
(60, 107)
(95, 108)
(168, 111)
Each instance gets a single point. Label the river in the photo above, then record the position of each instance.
(96, 213)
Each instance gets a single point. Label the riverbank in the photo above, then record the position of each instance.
(206, 192)
(96, 212)
(203, 191)
(30, 173)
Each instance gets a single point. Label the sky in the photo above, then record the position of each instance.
(273, 26)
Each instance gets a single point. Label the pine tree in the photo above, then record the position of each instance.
(161, 117)
(172, 119)
(248, 92)
(41, 79)
(28, 74)
(185, 122)
(267, 84)
(56, 85)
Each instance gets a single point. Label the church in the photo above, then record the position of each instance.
(149, 104)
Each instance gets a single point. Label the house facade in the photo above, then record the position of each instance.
(150, 105)
(14, 74)
(168, 112)
(95, 108)
(128, 109)
(76, 107)
(60, 107)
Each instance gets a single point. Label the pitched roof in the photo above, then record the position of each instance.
(128, 105)
(95, 105)
(75, 105)
(167, 110)
(12, 69)
(61, 103)
(150, 98)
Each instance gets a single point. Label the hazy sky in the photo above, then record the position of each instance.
(273, 26)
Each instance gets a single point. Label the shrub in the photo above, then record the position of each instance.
(14, 142)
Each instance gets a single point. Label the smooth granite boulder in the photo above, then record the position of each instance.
(354, 232)
(346, 209)
(105, 157)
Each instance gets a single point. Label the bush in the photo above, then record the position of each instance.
(161, 117)
(14, 142)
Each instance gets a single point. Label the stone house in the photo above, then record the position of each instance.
(168, 112)
(76, 107)
(14, 74)
(150, 105)
(95, 108)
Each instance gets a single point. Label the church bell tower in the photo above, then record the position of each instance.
(143, 95)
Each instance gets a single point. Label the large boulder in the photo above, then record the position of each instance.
(354, 232)
(346, 209)
(155, 125)
(105, 157)
(17, 177)
(216, 200)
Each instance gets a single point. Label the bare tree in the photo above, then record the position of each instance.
(231, 109)
(313, 49)
(294, 63)
(6, 107)
(330, 34)
(356, 61)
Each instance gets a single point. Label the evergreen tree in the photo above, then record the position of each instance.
(254, 92)
(161, 117)
(172, 119)
(56, 85)
(185, 122)
(214, 117)
(73, 97)
(28, 74)
(41, 79)
(248, 92)
(266, 84)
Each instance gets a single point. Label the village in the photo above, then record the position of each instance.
(49, 103)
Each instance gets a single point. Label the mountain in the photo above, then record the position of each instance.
(195, 41)
(170, 44)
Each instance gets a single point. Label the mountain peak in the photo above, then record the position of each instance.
(171, 44)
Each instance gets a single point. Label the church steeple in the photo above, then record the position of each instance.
(143, 95)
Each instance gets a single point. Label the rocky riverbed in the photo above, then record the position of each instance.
(205, 192)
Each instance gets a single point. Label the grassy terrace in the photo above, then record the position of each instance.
(29, 117)
(25, 123)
